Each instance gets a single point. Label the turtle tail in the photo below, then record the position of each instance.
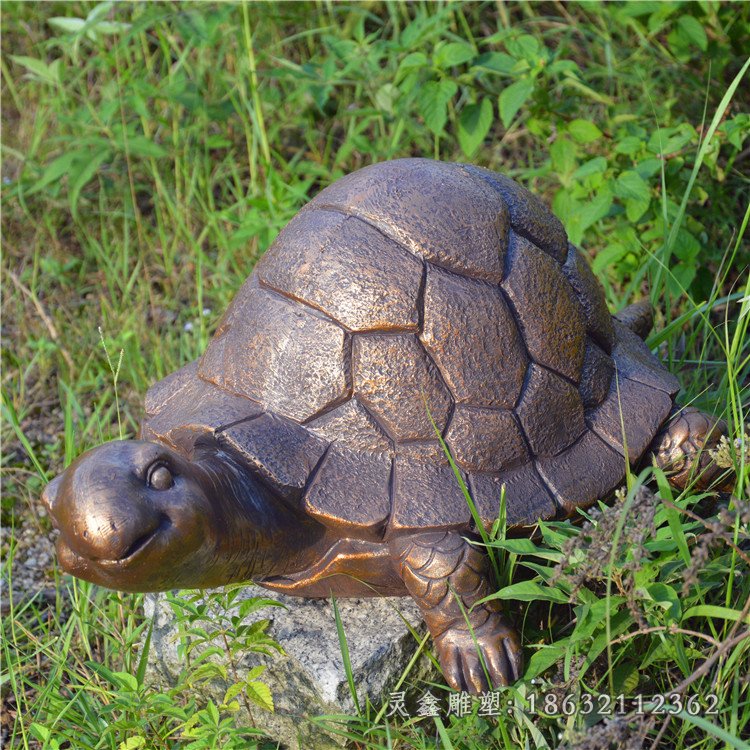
(638, 317)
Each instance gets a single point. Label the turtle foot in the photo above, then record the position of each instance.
(488, 659)
(683, 449)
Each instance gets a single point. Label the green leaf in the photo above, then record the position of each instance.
(444, 736)
(584, 131)
(629, 145)
(132, 743)
(473, 126)
(344, 647)
(453, 53)
(126, 680)
(670, 140)
(525, 47)
(139, 145)
(710, 728)
(721, 613)
(497, 62)
(110, 27)
(385, 98)
(255, 603)
(659, 651)
(666, 597)
(648, 167)
(68, 25)
(692, 30)
(680, 277)
(564, 66)
(635, 208)
(233, 692)
(140, 673)
(673, 516)
(597, 165)
(260, 694)
(521, 546)
(82, 177)
(563, 155)
(54, 171)
(433, 103)
(39, 731)
(208, 671)
(39, 69)
(544, 658)
(625, 679)
(413, 61)
(736, 130)
(631, 185)
(256, 672)
(513, 97)
(529, 591)
(686, 247)
(583, 214)
(636, 193)
(215, 141)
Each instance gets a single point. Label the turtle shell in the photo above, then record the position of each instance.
(409, 299)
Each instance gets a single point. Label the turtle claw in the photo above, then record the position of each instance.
(491, 658)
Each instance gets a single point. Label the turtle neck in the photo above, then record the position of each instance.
(258, 533)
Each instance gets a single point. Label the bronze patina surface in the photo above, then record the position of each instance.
(299, 451)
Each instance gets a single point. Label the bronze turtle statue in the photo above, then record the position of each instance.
(301, 450)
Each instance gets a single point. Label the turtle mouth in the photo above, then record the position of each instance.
(139, 547)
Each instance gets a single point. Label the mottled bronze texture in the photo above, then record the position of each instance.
(300, 451)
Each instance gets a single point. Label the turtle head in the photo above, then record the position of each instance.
(133, 515)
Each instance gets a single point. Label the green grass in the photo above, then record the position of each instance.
(151, 152)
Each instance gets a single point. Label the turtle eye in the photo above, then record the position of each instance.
(159, 477)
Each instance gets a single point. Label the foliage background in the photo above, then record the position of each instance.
(152, 151)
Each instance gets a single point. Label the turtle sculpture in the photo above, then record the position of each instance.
(410, 300)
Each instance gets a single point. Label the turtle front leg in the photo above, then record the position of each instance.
(438, 569)
(682, 448)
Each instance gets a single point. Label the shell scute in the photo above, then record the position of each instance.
(636, 362)
(640, 408)
(425, 491)
(347, 269)
(485, 439)
(596, 375)
(352, 426)
(279, 450)
(473, 338)
(552, 321)
(527, 498)
(528, 214)
(550, 411)
(582, 474)
(590, 296)
(351, 490)
(182, 407)
(396, 380)
(434, 209)
(279, 353)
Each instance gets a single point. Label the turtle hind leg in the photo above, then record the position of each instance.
(638, 317)
(682, 449)
(439, 569)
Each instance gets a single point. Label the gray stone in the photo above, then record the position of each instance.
(309, 680)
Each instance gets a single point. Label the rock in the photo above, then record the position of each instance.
(309, 680)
